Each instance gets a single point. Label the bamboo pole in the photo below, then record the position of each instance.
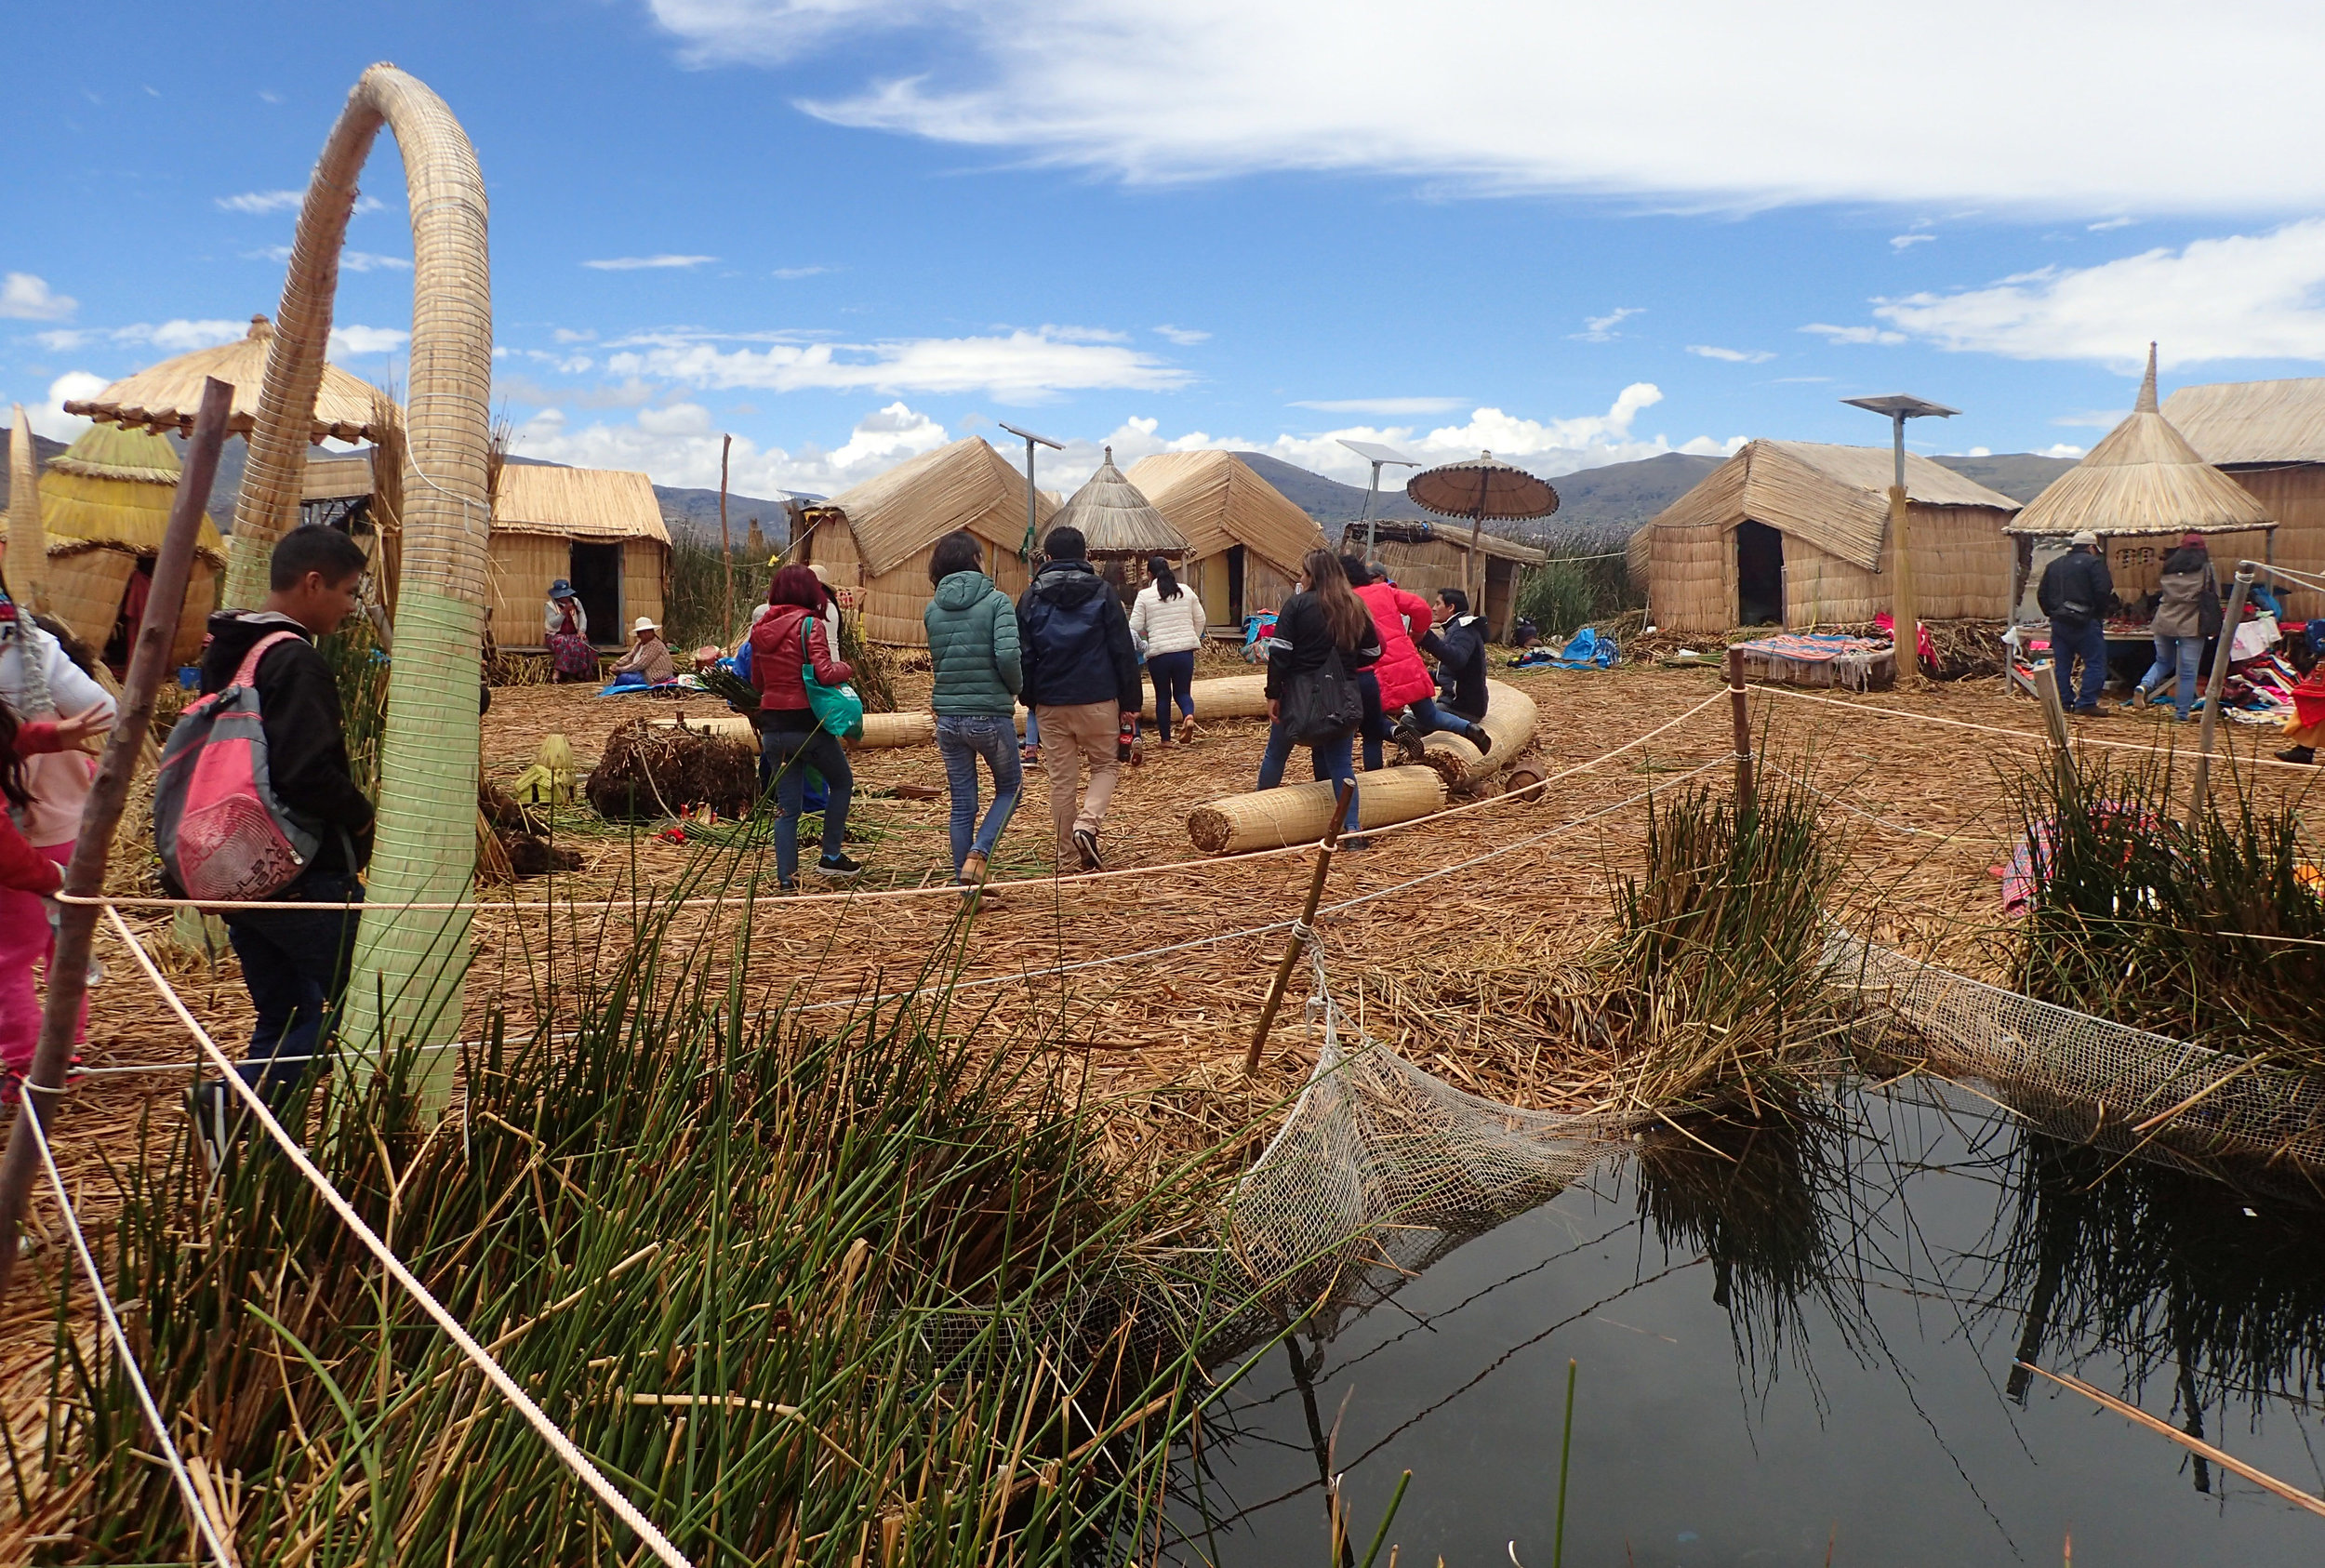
(726, 544)
(100, 814)
(1298, 944)
(1747, 795)
(2229, 623)
(2054, 720)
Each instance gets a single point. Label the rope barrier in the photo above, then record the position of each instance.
(1884, 822)
(195, 1506)
(494, 1373)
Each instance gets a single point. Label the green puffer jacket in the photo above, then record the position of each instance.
(973, 646)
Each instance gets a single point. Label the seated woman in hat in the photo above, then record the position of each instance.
(565, 630)
(648, 661)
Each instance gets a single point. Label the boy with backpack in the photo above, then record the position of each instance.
(295, 962)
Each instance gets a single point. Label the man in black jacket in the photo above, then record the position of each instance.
(295, 962)
(1082, 682)
(2076, 592)
(1461, 664)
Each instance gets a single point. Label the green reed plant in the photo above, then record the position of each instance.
(359, 665)
(1580, 583)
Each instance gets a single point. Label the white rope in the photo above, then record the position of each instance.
(202, 1522)
(1884, 822)
(558, 1442)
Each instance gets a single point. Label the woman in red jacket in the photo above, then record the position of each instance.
(786, 639)
(27, 879)
(1403, 620)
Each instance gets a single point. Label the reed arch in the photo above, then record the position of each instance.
(408, 964)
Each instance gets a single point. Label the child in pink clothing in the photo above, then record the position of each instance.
(27, 879)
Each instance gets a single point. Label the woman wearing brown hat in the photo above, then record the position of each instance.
(2188, 611)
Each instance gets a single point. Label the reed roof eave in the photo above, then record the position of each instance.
(162, 397)
(965, 485)
(2252, 422)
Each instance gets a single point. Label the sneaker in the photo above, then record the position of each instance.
(1355, 846)
(837, 868)
(12, 1082)
(2091, 711)
(1479, 739)
(2139, 699)
(2305, 756)
(974, 869)
(1086, 842)
(1409, 747)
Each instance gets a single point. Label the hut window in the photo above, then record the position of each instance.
(596, 574)
(1758, 575)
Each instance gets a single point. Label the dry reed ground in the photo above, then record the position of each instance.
(1458, 971)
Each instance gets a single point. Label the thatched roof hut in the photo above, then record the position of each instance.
(1244, 539)
(1796, 533)
(875, 538)
(1423, 557)
(2139, 490)
(2269, 437)
(1117, 521)
(162, 397)
(104, 506)
(600, 528)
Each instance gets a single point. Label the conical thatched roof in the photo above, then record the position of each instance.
(164, 396)
(966, 484)
(1116, 518)
(111, 489)
(1216, 500)
(2144, 478)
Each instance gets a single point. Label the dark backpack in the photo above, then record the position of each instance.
(1323, 705)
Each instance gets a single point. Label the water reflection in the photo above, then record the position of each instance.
(1796, 1331)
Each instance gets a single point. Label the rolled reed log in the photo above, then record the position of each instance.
(1296, 813)
(1223, 696)
(1509, 715)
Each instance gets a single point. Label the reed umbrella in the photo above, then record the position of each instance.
(1481, 487)
(1119, 524)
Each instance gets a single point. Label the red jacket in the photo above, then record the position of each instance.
(776, 657)
(22, 866)
(1404, 678)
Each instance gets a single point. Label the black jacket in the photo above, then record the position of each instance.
(2076, 587)
(1461, 664)
(1074, 641)
(306, 737)
(1302, 640)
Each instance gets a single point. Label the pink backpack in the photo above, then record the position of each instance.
(222, 832)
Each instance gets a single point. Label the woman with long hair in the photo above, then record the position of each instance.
(27, 879)
(786, 643)
(1168, 620)
(1323, 620)
(977, 672)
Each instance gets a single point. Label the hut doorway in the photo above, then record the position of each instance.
(1758, 575)
(596, 574)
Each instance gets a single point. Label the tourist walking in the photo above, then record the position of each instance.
(1322, 625)
(973, 650)
(1081, 682)
(565, 630)
(2188, 612)
(785, 644)
(1461, 659)
(1169, 620)
(2076, 592)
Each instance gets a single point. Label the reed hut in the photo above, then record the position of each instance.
(602, 529)
(1422, 558)
(1795, 533)
(162, 397)
(874, 538)
(1244, 539)
(2139, 490)
(1121, 527)
(2269, 437)
(104, 506)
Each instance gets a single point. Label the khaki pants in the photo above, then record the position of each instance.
(1086, 732)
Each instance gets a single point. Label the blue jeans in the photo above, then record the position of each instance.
(960, 740)
(2179, 655)
(1174, 677)
(792, 751)
(1428, 718)
(295, 963)
(2086, 640)
(1373, 728)
(1334, 760)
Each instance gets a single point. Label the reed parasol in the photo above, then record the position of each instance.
(161, 397)
(1481, 487)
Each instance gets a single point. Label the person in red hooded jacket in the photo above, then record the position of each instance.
(785, 640)
(1404, 623)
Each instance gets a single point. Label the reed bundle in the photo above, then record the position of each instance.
(649, 770)
(1298, 812)
(1224, 696)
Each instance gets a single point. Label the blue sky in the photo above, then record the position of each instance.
(849, 230)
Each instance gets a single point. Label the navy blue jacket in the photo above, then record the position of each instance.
(1074, 641)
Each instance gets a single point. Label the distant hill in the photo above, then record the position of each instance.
(1327, 500)
(1594, 500)
(2020, 475)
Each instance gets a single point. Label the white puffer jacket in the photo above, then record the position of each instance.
(1167, 626)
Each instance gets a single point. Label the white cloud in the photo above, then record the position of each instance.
(1601, 330)
(1021, 367)
(1979, 452)
(1696, 101)
(2242, 297)
(567, 335)
(1388, 407)
(1734, 356)
(26, 297)
(2060, 449)
(2092, 418)
(262, 201)
(789, 273)
(1853, 333)
(2104, 224)
(1185, 337)
(678, 445)
(636, 263)
(353, 339)
(350, 260)
(49, 419)
(1903, 241)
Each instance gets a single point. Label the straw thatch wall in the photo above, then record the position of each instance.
(1241, 531)
(2136, 562)
(1831, 505)
(877, 537)
(2295, 496)
(539, 514)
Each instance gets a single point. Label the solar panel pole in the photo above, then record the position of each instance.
(1905, 610)
(1379, 457)
(1031, 441)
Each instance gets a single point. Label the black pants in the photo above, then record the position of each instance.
(295, 963)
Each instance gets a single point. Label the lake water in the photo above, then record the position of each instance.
(1802, 1346)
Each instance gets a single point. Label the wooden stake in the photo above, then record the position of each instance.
(2228, 1462)
(1747, 795)
(727, 545)
(85, 877)
(2229, 623)
(1905, 613)
(2055, 720)
(1298, 944)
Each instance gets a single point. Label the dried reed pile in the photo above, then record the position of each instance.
(648, 771)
